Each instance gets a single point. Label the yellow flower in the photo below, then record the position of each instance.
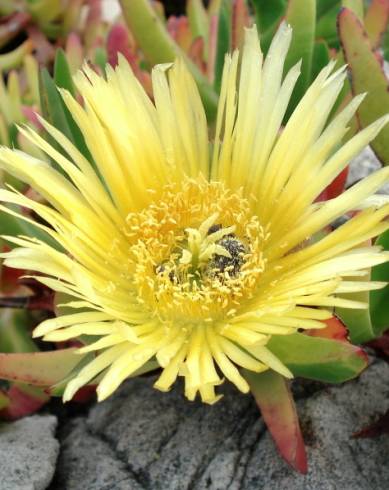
(189, 252)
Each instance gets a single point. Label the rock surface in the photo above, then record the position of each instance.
(28, 453)
(143, 439)
(362, 165)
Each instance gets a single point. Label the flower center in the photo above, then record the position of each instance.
(197, 252)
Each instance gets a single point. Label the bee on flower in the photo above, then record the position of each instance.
(188, 252)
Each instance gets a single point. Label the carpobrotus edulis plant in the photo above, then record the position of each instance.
(196, 255)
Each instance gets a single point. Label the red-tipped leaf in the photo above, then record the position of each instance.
(39, 368)
(273, 396)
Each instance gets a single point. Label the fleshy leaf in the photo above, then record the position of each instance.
(223, 41)
(376, 21)
(55, 111)
(326, 23)
(366, 76)
(335, 330)
(301, 15)
(4, 400)
(39, 368)
(240, 19)
(159, 47)
(317, 358)
(323, 6)
(377, 428)
(358, 321)
(23, 400)
(198, 20)
(15, 331)
(11, 224)
(381, 344)
(321, 57)
(336, 187)
(379, 299)
(355, 6)
(62, 74)
(267, 17)
(274, 398)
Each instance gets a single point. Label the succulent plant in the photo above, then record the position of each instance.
(43, 43)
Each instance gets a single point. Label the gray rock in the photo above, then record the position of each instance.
(88, 458)
(28, 453)
(363, 165)
(143, 439)
(336, 460)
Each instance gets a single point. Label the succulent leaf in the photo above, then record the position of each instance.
(322, 359)
(273, 396)
(301, 15)
(379, 299)
(39, 368)
(366, 76)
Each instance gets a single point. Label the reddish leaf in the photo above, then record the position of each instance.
(118, 41)
(85, 394)
(240, 19)
(366, 76)
(335, 188)
(23, 400)
(381, 426)
(178, 28)
(11, 25)
(196, 53)
(39, 368)
(273, 396)
(381, 344)
(335, 330)
(376, 21)
(31, 114)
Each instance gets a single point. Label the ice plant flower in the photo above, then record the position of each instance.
(189, 252)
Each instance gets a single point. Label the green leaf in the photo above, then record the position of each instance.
(198, 21)
(385, 45)
(223, 41)
(379, 299)
(39, 368)
(321, 57)
(358, 321)
(101, 59)
(56, 112)
(62, 74)
(58, 388)
(366, 76)
(15, 331)
(326, 26)
(355, 6)
(11, 224)
(267, 17)
(323, 6)
(159, 47)
(272, 394)
(317, 358)
(301, 15)
(4, 400)
(268, 14)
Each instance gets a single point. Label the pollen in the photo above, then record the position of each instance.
(197, 252)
